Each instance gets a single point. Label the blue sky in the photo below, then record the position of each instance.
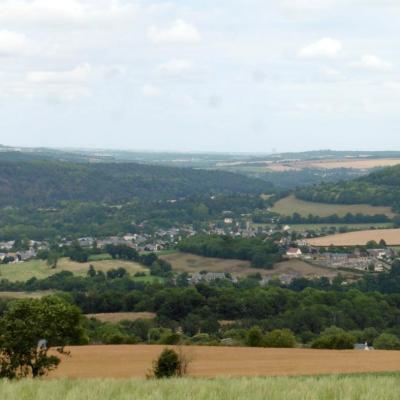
(234, 76)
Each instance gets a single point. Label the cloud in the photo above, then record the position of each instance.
(306, 5)
(175, 67)
(180, 32)
(77, 75)
(151, 91)
(371, 62)
(323, 48)
(13, 43)
(59, 12)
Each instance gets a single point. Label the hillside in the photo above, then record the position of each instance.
(381, 188)
(45, 183)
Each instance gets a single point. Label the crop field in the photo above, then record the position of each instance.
(114, 318)
(134, 361)
(354, 163)
(334, 387)
(39, 269)
(184, 262)
(191, 263)
(390, 236)
(319, 227)
(291, 204)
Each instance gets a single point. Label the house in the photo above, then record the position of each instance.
(294, 252)
(228, 221)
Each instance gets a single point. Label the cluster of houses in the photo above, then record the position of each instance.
(373, 260)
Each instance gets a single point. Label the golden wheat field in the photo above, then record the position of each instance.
(390, 236)
(134, 361)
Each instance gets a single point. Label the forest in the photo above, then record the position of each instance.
(47, 183)
(378, 188)
(261, 253)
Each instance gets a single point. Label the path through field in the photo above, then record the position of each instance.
(135, 361)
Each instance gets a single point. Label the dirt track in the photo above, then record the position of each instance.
(134, 361)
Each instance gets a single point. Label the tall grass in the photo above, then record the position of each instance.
(360, 387)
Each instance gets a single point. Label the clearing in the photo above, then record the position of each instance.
(190, 263)
(291, 204)
(40, 270)
(361, 238)
(114, 318)
(25, 295)
(130, 361)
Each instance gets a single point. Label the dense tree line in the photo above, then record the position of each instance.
(261, 253)
(76, 219)
(378, 188)
(46, 183)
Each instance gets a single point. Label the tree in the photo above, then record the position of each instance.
(387, 341)
(280, 338)
(334, 338)
(29, 328)
(254, 337)
(167, 365)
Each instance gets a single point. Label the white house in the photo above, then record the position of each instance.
(294, 253)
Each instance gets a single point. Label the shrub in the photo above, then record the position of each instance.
(170, 364)
(387, 341)
(281, 338)
(254, 337)
(334, 338)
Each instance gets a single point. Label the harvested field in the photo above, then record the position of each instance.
(390, 236)
(355, 163)
(123, 316)
(134, 361)
(291, 204)
(185, 262)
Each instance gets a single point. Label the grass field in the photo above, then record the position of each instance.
(291, 204)
(39, 269)
(184, 262)
(122, 316)
(130, 361)
(336, 387)
(390, 236)
(24, 295)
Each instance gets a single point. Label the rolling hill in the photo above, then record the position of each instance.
(45, 183)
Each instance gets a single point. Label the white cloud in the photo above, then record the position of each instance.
(151, 91)
(323, 48)
(13, 43)
(306, 5)
(175, 67)
(77, 75)
(371, 62)
(181, 32)
(58, 12)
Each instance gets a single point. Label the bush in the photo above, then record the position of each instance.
(387, 341)
(334, 338)
(280, 338)
(254, 337)
(170, 364)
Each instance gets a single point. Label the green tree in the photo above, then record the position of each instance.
(254, 337)
(280, 338)
(334, 338)
(29, 328)
(387, 341)
(167, 365)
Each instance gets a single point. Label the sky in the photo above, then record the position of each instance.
(210, 76)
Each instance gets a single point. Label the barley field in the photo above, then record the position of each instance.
(358, 387)
(134, 361)
(360, 238)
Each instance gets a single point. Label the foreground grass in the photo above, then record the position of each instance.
(357, 387)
